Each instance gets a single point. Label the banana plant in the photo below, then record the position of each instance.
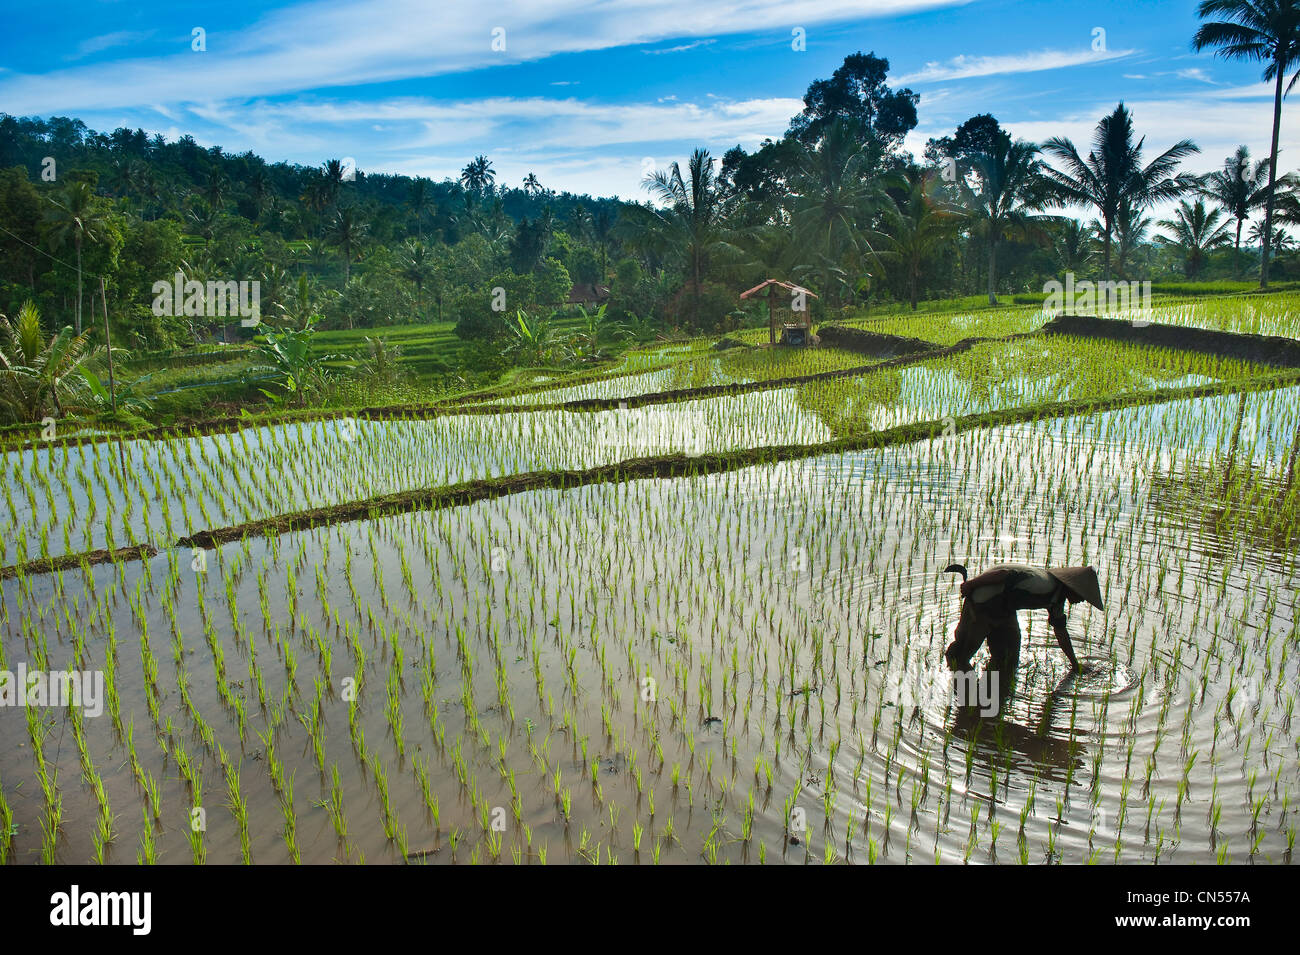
(289, 359)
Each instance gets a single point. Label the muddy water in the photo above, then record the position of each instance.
(792, 619)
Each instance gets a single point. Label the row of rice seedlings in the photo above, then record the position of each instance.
(799, 663)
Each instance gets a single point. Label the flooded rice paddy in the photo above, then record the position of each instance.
(738, 667)
(70, 499)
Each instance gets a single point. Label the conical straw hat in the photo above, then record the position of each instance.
(1080, 582)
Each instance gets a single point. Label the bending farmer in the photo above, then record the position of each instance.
(992, 599)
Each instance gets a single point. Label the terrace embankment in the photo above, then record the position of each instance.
(388, 412)
(1261, 349)
(877, 344)
(674, 465)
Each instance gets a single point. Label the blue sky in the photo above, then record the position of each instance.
(587, 95)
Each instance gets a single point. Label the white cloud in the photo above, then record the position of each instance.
(681, 48)
(966, 67)
(331, 43)
(108, 41)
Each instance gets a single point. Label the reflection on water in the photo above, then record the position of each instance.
(725, 668)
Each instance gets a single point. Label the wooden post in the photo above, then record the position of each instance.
(771, 314)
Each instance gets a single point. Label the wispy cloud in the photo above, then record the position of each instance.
(108, 41)
(681, 48)
(966, 67)
(278, 55)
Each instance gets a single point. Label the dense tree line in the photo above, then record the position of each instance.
(89, 221)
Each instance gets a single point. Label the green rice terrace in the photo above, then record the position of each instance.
(687, 604)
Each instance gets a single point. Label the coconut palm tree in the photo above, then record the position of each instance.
(836, 192)
(37, 375)
(76, 217)
(478, 175)
(1267, 31)
(421, 203)
(216, 187)
(916, 223)
(347, 230)
(1072, 245)
(1131, 228)
(315, 196)
(416, 266)
(1195, 232)
(532, 185)
(259, 189)
(1113, 176)
(1281, 241)
(693, 220)
(333, 174)
(602, 230)
(1010, 184)
(1238, 187)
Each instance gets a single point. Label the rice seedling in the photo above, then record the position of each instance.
(789, 610)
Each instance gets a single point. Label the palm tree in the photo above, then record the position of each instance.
(1112, 176)
(916, 223)
(215, 188)
(693, 220)
(1286, 200)
(202, 216)
(347, 231)
(1072, 245)
(315, 196)
(76, 217)
(144, 184)
(36, 375)
(1281, 241)
(835, 193)
(478, 175)
(416, 266)
(1263, 30)
(1011, 184)
(602, 230)
(332, 174)
(259, 189)
(1238, 188)
(532, 185)
(1131, 227)
(421, 203)
(1195, 232)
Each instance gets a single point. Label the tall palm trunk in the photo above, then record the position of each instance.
(1272, 176)
(77, 243)
(993, 265)
(1106, 261)
(1236, 257)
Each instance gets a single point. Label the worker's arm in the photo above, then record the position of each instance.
(1056, 617)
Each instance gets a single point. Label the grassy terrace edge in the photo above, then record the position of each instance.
(660, 466)
(443, 410)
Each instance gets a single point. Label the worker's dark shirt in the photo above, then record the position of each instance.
(1006, 588)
